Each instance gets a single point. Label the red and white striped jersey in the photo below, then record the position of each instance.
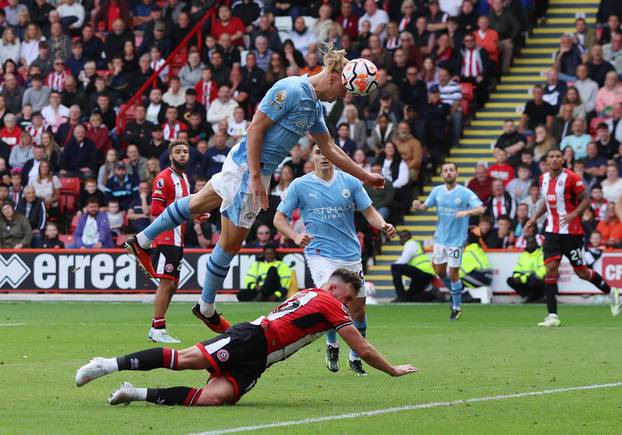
(561, 195)
(302, 319)
(168, 187)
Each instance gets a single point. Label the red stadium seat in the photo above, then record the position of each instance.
(467, 90)
(70, 185)
(121, 238)
(74, 223)
(67, 239)
(594, 123)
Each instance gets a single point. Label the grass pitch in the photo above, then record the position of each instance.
(492, 350)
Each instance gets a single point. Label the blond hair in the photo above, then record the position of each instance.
(334, 60)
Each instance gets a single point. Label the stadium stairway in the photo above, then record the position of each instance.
(506, 102)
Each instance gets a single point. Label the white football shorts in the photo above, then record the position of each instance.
(322, 268)
(447, 255)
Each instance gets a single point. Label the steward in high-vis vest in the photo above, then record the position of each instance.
(528, 276)
(475, 270)
(267, 279)
(415, 264)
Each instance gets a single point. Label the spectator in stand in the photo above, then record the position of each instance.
(468, 17)
(302, 37)
(21, 153)
(537, 111)
(263, 237)
(116, 217)
(16, 188)
(15, 230)
(606, 144)
(34, 210)
(37, 95)
(136, 164)
(358, 130)
(65, 130)
(487, 38)
(222, 107)
(47, 187)
(451, 95)
(519, 186)
(50, 239)
(595, 165)
(610, 228)
(578, 140)
(138, 131)
(508, 28)
(612, 52)
(349, 20)
(343, 140)
(172, 125)
(612, 26)
(475, 68)
(501, 170)
(44, 60)
(512, 142)
(609, 95)
(534, 203)
(214, 157)
(382, 199)
(410, 150)
(30, 170)
(597, 202)
(554, 90)
(10, 134)
(93, 229)
(286, 177)
(501, 203)
(382, 133)
(584, 36)
(612, 184)
(99, 134)
(80, 155)
(562, 125)
(55, 113)
(313, 66)
(175, 95)
(502, 237)
(377, 18)
(13, 93)
(265, 28)
(588, 88)
(567, 59)
(573, 98)
(597, 66)
(90, 189)
(395, 170)
(481, 183)
(121, 187)
(52, 150)
(229, 24)
(106, 170)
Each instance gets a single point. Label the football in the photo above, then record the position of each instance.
(359, 77)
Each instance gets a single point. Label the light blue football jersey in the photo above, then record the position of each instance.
(327, 209)
(293, 106)
(450, 230)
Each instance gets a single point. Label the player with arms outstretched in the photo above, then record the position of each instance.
(237, 358)
(167, 250)
(288, 111)
(327, 199)
(454, 205)
(566, 199)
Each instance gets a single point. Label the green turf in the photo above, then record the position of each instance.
(492, 350)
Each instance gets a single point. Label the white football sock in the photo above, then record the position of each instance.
(110, 365)
(207, 309)
(143, 241)
(141, 394)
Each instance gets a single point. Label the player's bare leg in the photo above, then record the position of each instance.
(162, 300)
(175, 214)
(230, 242)
(550, 294)
(359, 318)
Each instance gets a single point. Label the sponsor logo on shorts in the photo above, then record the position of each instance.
(345, 193)
(169, 268)
(222, 355)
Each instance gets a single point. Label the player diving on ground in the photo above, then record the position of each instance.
(237, 358)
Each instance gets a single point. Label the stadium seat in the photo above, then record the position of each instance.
(70, 185)
(67, 239)
(121, 238)
(243, 54)
(283, 24)
(74, 224)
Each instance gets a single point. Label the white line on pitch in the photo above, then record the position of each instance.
(11, 324)
(408, 408)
